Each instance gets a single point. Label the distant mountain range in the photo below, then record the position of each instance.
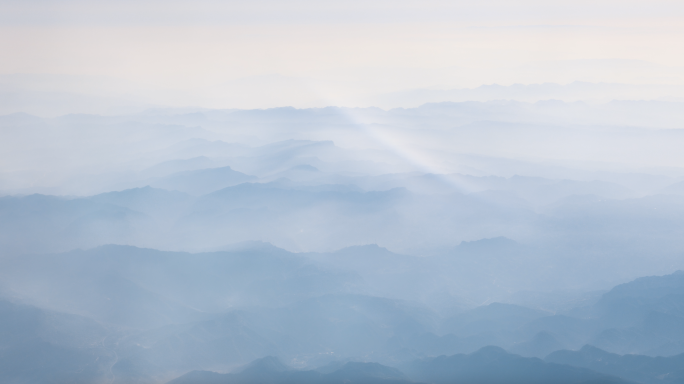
(478, 241)
(576, 91)
(141, 315)
(487, 365)
(638, 368)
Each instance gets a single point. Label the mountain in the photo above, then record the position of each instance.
(221, 343)
(202, 181)
(493, 318)
(148, 200)
(164, 314)
(271, 370)
(630, 301)
(88, 284)
(488, 269)
(143, 288)
(642, 369)
(385, 273)
(570, 331)
(295, 218)
(41, 223)
(576, 90)
(41, 346)
(644, 315)
(313, 331)
(540, 345)
(493, 365)
(343, 326)
(676, 188)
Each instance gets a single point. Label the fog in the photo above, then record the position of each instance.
(336, 244)
(352, 193)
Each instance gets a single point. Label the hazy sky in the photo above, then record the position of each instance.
(216, 53)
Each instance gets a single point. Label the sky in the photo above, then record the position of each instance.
(236, 54)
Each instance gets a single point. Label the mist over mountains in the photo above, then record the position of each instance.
(129, 314)
(478, 241)
(52, 95)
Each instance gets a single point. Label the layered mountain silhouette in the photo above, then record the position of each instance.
(202, 181)
(271, 370)
(143, 288)
(488, 365)
(494, 365)
(42, 346)
(639, 368)
(144, 315)
(644, 316)
(455, 242)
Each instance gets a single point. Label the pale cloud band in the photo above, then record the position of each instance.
(215, 54)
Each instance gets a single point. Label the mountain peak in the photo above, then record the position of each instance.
(268, 364)
(489, 352)
(365, 370)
